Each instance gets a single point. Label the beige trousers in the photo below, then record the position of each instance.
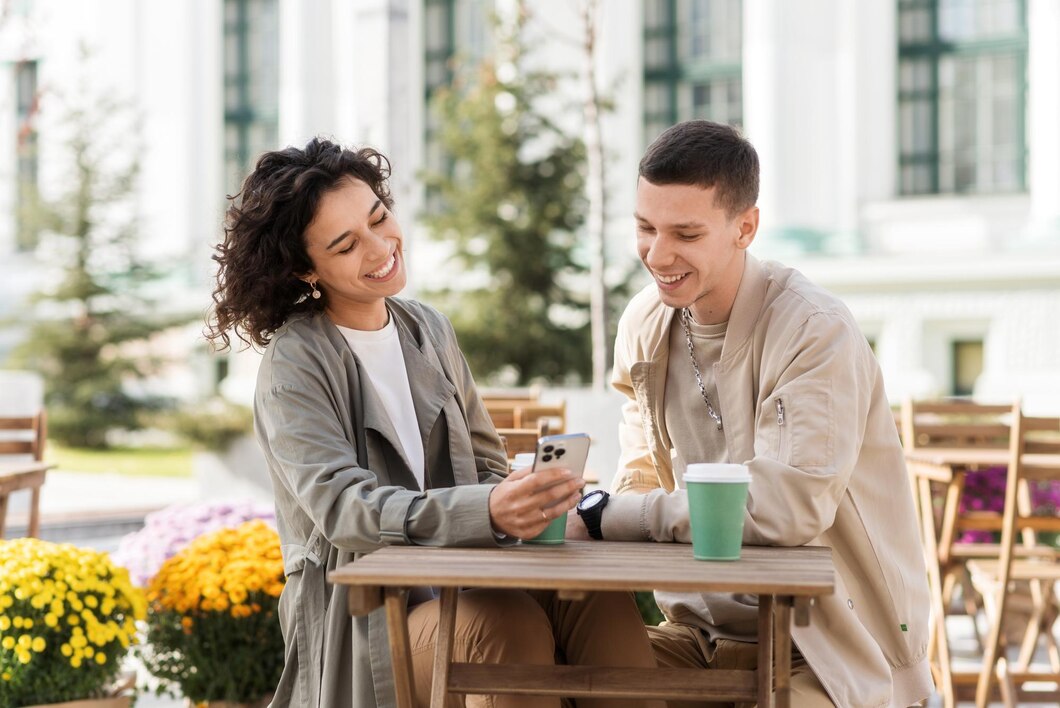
(533, 627)
(683, 646)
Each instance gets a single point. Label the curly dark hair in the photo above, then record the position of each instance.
(264, 250)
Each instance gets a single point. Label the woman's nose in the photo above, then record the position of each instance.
(378, 247)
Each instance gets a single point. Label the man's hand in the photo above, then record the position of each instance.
(525, 503)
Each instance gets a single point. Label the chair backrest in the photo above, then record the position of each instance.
(23, 436)
(517, 440)
(502, 413)
(528, 416)
(952, 423)
(514, 395)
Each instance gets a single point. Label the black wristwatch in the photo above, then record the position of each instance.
(591, 509)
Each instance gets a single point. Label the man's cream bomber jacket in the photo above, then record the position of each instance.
(803, 404)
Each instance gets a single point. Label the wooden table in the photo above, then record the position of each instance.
(948, 467)
(785, 579)
(22, 475)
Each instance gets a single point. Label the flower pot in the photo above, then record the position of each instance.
(119, 702)
(260, 703)
(119, 696)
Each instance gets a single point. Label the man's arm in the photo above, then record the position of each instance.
(803, 458)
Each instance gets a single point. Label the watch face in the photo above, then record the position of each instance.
(591, 499)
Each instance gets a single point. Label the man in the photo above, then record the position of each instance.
(728, 359)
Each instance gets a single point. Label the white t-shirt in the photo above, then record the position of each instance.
(381, 357)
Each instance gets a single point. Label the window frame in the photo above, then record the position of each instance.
(934, 49)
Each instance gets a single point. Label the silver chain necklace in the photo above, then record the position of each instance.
(685, 317)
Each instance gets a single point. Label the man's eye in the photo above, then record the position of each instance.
(688, 237)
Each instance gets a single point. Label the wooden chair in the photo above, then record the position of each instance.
(530, 415)
(506, 413)
(966, 438)
(517, 440)
(502, 413)
(21, 464)
(1035, 459)
(529, 394)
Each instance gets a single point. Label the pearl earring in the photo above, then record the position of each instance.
(316, 293)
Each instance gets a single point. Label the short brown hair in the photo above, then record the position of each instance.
(264, 251)
(705, 154)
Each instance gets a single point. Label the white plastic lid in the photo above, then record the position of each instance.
(717, 472)
(522, 459)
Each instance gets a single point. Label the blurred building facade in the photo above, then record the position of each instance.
(910, 148)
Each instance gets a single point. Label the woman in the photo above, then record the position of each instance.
(374, 434)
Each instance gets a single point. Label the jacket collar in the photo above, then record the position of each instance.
(754, 283)
(430, 387)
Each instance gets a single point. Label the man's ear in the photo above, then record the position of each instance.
(748, 223)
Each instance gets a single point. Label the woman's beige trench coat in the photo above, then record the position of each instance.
(343, 488)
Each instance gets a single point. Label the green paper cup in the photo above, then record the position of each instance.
(554, 533)
(717, 497)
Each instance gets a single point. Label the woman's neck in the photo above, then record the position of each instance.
(361, 316)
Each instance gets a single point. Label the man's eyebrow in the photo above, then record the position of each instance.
(688, 225)
(344, 234)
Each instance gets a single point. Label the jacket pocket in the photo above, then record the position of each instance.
(796, 425)
(810, 423)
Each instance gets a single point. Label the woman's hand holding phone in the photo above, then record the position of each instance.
(526, 502)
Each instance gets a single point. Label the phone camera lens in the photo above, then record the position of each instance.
(547, 458)
(560, 452)
(549, 448)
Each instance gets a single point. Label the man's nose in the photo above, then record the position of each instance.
(659, 253)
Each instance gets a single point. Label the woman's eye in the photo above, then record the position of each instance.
(382, 218)
(348, 248)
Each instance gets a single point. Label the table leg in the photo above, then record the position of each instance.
(765, 651)
(443, 648)
(782, 652)
(397, 622)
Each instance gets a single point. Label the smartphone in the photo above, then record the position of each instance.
(569, 451)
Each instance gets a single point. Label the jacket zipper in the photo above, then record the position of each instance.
(780, 411)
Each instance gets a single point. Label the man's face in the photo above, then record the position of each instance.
(692, 247)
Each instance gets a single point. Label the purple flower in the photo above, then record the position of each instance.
(168, 530)
(984, 490)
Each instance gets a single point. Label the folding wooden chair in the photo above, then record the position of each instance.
(1035, 460)
(517, 440)
(21, 464)
(502, 413)
(945, 442)
(529, 415)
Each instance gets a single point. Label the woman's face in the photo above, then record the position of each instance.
(354, 243)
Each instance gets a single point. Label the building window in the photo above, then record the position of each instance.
(454, 30)
(692, 62)
(251, 84)
(966, 357)
(26, 152)
(962, 92)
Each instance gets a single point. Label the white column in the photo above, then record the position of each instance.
(1043, 118)
(797, 91)
(307, 69)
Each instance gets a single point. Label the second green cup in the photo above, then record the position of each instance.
(717, 498)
